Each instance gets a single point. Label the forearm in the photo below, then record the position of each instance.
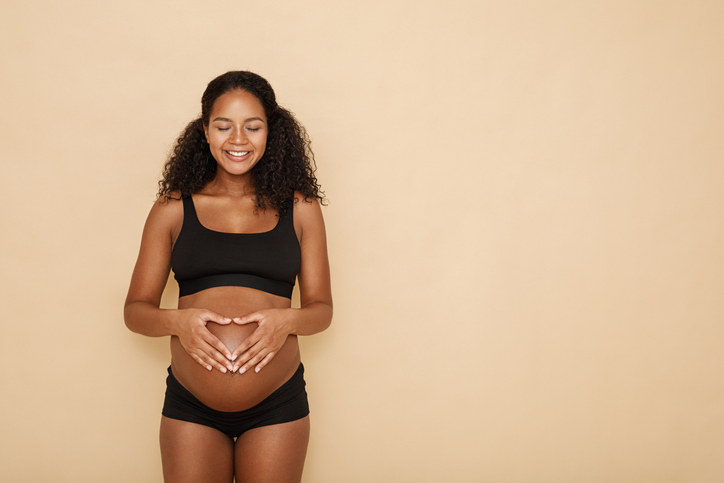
(311, 319)
(147, 319)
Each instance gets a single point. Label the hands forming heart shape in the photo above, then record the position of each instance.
(256, 350)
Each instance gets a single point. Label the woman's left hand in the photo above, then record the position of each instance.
(263, 344)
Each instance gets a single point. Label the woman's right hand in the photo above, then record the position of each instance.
(199, 342)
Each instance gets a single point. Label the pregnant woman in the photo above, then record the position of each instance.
(238, 219)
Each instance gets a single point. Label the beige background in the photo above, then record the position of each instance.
(526, 224)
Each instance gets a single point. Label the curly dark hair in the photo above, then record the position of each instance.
(287, 164)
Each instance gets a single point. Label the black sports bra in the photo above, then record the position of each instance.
(204, 258)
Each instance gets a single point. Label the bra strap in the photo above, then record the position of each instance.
(190, 210)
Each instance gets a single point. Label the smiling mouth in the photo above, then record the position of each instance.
(238, 153)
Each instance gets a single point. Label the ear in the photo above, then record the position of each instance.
(206, 133)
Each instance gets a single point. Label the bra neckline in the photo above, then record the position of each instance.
(195, 216)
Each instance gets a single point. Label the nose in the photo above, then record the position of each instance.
(238, 136)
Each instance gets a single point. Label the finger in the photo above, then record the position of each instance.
(218, 366)
(239, 351)
(214, 317)
(264, 361)
(248, 343)
(211, 355)
(245, 357)
(247, 319)
(218, 360)
(204, 341)
(219, 346)
(211, 359)
(253, 361)
(201, 361)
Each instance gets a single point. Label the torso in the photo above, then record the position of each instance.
(232, 392)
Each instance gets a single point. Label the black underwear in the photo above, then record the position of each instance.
(287, 403)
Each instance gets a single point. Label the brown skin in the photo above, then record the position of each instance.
(231, 346)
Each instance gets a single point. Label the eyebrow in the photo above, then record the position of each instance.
(226, 119)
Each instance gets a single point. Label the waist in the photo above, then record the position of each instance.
(232, 301)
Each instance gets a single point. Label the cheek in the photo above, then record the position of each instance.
(215, 143)
(215, 139)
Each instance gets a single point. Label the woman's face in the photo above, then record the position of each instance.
(237, 131)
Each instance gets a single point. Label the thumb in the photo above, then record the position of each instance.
(247, 319)
(219, 319)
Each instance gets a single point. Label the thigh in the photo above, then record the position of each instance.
(273, 454)
(195, 453)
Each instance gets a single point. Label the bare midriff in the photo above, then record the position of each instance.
(233, 392)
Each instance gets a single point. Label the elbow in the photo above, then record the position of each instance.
(128, 318)
(328, 319)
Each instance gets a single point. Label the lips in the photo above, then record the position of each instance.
(237, 155)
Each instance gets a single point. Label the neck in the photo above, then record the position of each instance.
(231, 185)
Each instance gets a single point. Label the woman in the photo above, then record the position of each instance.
(238, 218)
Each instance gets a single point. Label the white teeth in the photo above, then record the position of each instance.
(238, 153)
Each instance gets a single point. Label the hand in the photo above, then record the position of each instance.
(263, 344)
(199, 342)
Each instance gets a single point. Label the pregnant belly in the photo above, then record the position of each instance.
(233, 392)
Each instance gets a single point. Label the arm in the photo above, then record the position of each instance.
(141, 311)
(315, 314)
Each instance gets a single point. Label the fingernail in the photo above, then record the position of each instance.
(227, 319)
(223, 369)
(208, 367)
(257, 370)
(242, 370)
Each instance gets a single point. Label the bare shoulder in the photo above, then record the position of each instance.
(167, 212)
(168, 205)
(307, 216)
(306, 207)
